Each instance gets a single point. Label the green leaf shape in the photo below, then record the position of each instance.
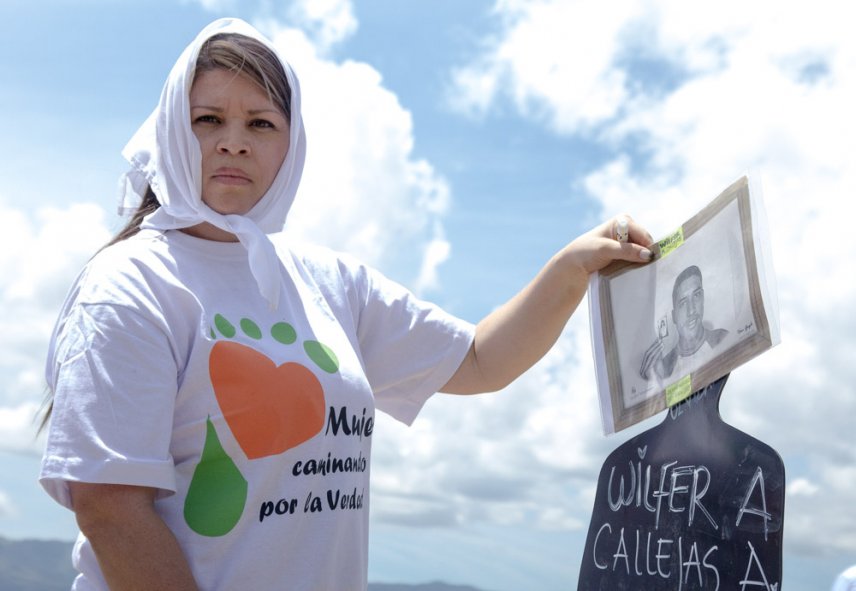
(251, 329)
(322, 355)
(226, 328)
(218, 491)
(283, 332)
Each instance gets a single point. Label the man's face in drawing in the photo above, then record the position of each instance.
(688, 313)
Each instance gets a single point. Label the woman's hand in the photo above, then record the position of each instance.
(598, 247)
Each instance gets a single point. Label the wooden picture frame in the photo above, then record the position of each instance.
(652, 347)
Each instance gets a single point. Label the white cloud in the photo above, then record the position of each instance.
(552, 62)
(757, 86)
(802, 487)
(327, 21)
(217, 5)
(37, 252)
(18, 426)
(821, 506)
(40, 254)
(362, 191)
(436, 253)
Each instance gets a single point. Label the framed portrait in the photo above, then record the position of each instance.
(704, 305)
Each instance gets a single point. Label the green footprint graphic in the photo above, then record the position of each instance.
(218, 490)
(269, 409)
(282, 332)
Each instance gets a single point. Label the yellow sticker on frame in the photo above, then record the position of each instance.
(679, 391)
(671, 242)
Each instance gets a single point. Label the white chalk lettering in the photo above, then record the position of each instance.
(636, 557)
(758, 478)
(648, 556)
(709, 566)
(696, 496)
(621, 552)
(747, 582)
(674, 544)
(603, 566)
(615, 505)
(661, 491)
(661, 557)
(611, 552)
(678, 489)
(636, 488)
(692, 561)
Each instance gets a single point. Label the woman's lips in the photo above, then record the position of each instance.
(231, 176)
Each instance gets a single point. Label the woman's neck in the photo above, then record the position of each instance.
(208, 231)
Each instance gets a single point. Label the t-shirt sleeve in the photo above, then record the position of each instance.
(114, 380)
(410, 347)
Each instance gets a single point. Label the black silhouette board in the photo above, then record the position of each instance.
(692, 503)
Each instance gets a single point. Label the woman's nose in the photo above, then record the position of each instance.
(233, 141)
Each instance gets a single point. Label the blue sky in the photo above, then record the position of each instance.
(457, 146)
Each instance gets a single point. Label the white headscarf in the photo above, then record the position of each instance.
(164, 154)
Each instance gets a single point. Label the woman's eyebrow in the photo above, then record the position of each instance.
(250, 111)
(264, 110)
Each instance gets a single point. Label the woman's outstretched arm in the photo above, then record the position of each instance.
(516, 335)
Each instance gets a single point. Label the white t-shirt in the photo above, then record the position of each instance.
(169, 370)
(684, 366)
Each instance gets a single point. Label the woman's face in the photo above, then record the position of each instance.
(243, 136)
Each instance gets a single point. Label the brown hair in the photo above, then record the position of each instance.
(235, 53)
(248, 56)
(148, 205)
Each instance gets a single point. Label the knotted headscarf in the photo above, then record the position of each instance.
(165, 154)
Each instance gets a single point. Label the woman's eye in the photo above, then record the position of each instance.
(262, 123)
(206, 119)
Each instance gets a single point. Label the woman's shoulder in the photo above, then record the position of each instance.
(141, 245)
(120, 270)
(320, 260)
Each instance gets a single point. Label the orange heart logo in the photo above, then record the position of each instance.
(269, 408)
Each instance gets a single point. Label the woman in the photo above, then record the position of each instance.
(215, 384)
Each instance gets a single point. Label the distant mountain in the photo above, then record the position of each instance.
(436, 586)
(35, 565)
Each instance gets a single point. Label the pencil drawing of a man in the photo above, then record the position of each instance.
(694, 336)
